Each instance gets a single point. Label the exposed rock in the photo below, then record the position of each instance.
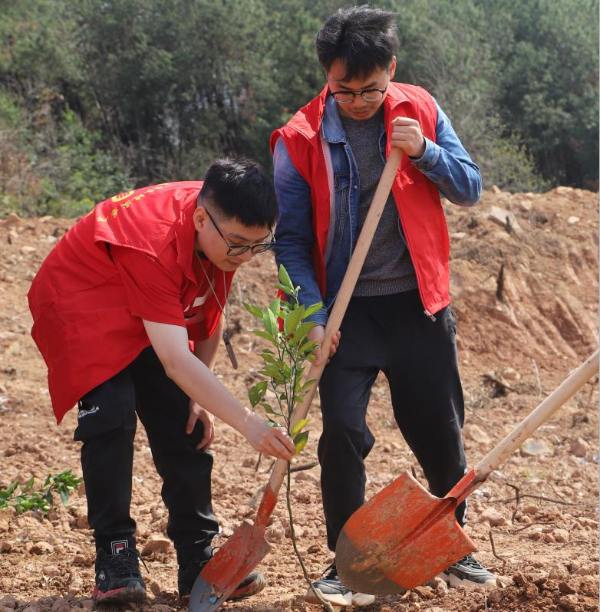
(536, 448)
(493, 517)
(589, 586)
(475, 433)
(561, 535)
(40, 548)
(579, 447)
(568, 602)
(156, 544)
(565, 588)
(504, 218)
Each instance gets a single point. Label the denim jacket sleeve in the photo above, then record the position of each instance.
(447, 164)
(294, 235)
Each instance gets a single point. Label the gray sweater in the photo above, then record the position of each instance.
(387, 268)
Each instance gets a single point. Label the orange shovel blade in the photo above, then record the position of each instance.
(231, 563)
(400, 539)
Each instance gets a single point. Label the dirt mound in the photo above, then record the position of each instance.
(525, 287)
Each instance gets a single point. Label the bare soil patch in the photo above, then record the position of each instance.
(525, 294)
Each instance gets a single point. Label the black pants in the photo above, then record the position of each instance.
(106, 426)
(418, 356)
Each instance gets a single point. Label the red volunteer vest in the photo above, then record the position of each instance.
(417, 198)
(82, 321)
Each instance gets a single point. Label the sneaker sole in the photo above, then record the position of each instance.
(129, 594)
(335, 599)
(360, 600)
(454, 582)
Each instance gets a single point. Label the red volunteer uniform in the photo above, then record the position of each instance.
(131, 258)
(417, 198)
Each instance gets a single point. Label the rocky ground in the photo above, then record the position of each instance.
(525, 287)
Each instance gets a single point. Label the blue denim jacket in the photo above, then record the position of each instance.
(445, 162)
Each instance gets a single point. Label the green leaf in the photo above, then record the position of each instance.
(267, 408)
(257, 392)
(298, 427)
(302, 330)
(274, 325)
(308, 384)
(292, 319)
(272, 371)
(300, 441)
(312, 309)
(285, 280)
(264, 334)
(275, 306)
(255, 311)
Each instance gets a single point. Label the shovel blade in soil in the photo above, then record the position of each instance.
(401, 538)
(231, 563)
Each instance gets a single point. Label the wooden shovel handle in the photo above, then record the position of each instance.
(337, 314)
(542, 413)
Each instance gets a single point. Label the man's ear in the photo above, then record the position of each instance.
(200, 218)
(393, 64)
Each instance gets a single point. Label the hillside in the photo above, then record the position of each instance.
(525, 289)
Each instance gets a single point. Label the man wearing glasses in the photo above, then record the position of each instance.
(115, 306)
(327, 161)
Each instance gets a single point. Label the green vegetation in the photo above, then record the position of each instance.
(285, 327)
(23, 497)
(100, 96)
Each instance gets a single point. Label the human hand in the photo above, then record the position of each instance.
(272, 441)
(317, 334)
(197, 413)
(407, 136)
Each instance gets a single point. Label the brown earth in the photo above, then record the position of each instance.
(520, 332)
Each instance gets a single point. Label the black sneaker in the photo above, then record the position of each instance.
(188, 572)
(118, 578)
(468, 572)
(331, 589)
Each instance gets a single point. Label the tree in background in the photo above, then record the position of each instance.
(50, 162)
(547, 58)
(98, 96)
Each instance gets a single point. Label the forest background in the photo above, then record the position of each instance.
(99, 96)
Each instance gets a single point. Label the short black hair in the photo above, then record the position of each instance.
(364, 38)
(240, 188)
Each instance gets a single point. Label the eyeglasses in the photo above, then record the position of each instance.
(368, 95)
(240, 249)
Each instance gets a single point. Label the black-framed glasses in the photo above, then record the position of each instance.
(240, 249)
(372, 94)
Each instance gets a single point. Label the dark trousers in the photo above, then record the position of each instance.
(418, 356)
(106, 426)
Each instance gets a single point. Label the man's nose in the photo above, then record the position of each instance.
(358, 101)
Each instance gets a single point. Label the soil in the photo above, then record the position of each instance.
(525, 288)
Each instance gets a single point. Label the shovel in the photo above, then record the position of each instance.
(404, 536)
(246, 548)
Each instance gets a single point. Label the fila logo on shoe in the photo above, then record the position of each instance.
(117, 546)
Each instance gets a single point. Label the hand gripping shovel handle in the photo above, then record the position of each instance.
(335, 320)
(519, 434)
